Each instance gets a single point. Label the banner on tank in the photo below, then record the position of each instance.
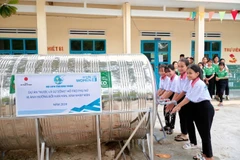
(61, 94)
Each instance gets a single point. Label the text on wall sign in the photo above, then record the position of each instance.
(55, 48)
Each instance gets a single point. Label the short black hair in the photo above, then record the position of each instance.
(221, 59)
(162, 66)
(169, 67)
(221, 64)
(191, 58)
(182, 55)
(184, 60)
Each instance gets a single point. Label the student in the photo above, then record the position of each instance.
(182, 56)
(202, 111)
(222, 79)
(200, 64)
(210, 73)
(204, 61)
(171, 89)
(227, 87)
(164, 80)
(178, 97)
(216, 67)
(191, 60)
(175, 65)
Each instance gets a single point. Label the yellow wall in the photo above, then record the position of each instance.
(58, 32)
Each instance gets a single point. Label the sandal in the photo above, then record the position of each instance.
(199, 156)
(189, 146)
(180, 139)
(178, 136)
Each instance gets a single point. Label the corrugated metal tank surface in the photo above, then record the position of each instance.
(133, 88)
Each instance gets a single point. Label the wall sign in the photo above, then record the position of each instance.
(232, 49)
(56, 48)
(38, 95)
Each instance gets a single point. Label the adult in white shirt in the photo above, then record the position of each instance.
(202, 110)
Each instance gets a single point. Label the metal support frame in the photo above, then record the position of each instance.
(37, 138)
(135, 130)
(162, 102)
(98, 138)
(41, 152)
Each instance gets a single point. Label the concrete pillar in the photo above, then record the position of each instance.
(126, 9)
(199, 35)
(41, 27)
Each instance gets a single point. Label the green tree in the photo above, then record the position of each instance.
(6, 9)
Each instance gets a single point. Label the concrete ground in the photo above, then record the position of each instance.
(225, 135)
(225, 142)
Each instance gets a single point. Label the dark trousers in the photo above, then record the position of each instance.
(169, 118)
(221, 88)
(211, 86)
(202, 114)
(183, 118)
(227, 89)
(190, 123)
(216, 86)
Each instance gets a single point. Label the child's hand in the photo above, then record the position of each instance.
(169, 107)
(217, 79)
(176, 109)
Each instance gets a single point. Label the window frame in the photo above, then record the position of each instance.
(93, 51)
(24, 51)
(211, 52)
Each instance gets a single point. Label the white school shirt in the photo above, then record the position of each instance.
(173, 84)
(197, 91)
(164, 82)
(183, 83)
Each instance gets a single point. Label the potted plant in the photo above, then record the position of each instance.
(6, 9)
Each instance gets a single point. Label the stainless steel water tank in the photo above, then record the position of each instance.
(133, 88)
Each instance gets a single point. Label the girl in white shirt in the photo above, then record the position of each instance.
(178, 97)
(164, 80)
(171, 89)
(202, 111)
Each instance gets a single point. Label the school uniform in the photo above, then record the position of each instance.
(183, 87)
(201, 112)
(164, 82)
(173, 87)
(209, 72)
(227, 86)
(216, 67)
(222, 83)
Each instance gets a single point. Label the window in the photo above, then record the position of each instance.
(87, 46)
(17, 46)
(211, 48)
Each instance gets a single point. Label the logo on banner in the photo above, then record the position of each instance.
(25, 83)
(87, 79)
(58, 79)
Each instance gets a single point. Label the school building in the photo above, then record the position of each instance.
(160, 29)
